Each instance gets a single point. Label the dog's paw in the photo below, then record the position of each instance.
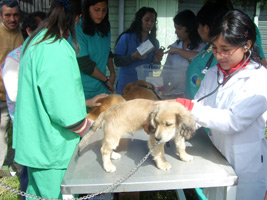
(110, 167)
(115, 155)
(186, 157)
(164, 165)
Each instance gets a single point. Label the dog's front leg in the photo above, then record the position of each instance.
(158, 154)
(180, 149)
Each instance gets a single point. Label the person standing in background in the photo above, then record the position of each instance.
(10, 38)
(204, 59)
(126, 57)
(189, 43)
(10, 70)
(93, 34)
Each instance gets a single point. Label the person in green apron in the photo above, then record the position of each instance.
(95, 56)
(51, 108)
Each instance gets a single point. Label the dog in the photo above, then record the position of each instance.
(138, 89)
(106, 102)
(166, 121)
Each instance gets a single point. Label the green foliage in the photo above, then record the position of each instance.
(12, 181)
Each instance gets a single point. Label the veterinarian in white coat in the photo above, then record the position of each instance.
(231, 102)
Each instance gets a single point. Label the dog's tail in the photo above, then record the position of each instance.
(85, 140)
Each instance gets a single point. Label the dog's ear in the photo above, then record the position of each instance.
(183, 128)
(151, 119)
(127, 88)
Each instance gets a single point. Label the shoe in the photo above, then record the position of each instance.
(4, 171)
(12, 170)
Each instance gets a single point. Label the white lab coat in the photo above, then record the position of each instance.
(234, 115)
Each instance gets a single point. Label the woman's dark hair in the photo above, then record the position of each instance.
(136, 26)
(187, 19)
(236, 28)
(89, 26)
(32, 21)
(59, 22)
(209, 11)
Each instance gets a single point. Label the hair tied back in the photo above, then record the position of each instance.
(65, 3)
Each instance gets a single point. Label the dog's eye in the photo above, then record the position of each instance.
(168, 124)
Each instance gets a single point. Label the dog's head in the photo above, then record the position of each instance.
(171, 119)
(139, 83)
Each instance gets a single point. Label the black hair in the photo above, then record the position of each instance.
(32, 21)
(136, 25)
(89, 26)
(187, 19)
(236, 28)
(208, 13)
(9, 3)
(59, 22)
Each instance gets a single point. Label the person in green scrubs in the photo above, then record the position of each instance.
(51, 108)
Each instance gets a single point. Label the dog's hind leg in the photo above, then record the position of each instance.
(107, 152)
(158, 154)
(180, 148)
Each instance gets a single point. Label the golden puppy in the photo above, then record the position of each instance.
(139, 90)
(107, 102)
(167, 120)
(135, 90)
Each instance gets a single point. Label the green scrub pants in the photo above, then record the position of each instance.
(45, 182)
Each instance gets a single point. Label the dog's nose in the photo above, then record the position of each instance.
(157, 138)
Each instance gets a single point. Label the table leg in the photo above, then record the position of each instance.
(67, 196)
(180, 194)
(230, 193)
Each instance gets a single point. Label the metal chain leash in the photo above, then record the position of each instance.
(89, 196)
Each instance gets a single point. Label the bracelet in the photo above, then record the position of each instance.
(105, 82)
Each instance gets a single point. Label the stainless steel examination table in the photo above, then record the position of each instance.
(209, 168)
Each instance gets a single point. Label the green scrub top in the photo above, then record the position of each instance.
(50, 97)
(98, 49)
(194, 73)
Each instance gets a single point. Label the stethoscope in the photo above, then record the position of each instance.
(220, 83)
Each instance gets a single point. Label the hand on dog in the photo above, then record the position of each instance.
(93, 101)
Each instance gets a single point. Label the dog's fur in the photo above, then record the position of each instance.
(106, 102)
(139, 89)
(167, 120)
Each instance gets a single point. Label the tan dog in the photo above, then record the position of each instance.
(167, 120)
(135, 90)
(106, 102)
(139, 90)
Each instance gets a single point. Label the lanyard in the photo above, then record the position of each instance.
(208, 64)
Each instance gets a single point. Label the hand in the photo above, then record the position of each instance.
(157, 58)
(110, 86)
(172, 50)
(136, 55)
(93, 101)
(186, 103)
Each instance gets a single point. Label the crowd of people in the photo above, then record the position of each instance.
(54, 68)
